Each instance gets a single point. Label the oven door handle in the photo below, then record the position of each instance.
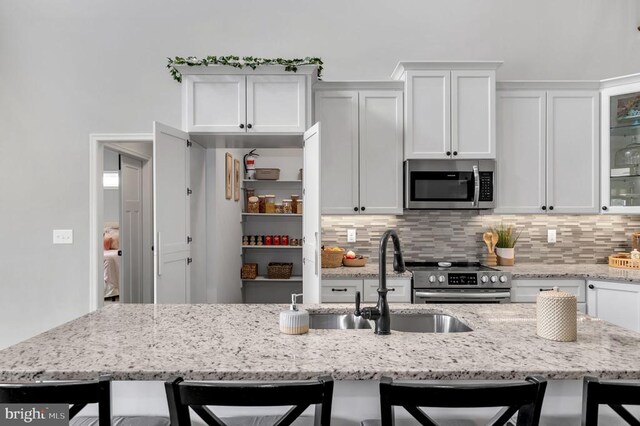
(463, 295)
(476, 186)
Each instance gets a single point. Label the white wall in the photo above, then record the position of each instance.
(70, 68)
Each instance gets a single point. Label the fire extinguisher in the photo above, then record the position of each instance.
(250, 165)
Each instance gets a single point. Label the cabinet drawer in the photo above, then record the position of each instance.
(340, 291)
(526, 291)
(399, 291)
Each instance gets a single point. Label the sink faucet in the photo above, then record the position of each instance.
(380, 313)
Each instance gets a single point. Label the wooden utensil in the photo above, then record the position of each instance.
(494, 241)
(488, 238)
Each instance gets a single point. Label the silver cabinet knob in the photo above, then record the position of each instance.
(441, 278)
(494, 278)
(503, 279)
(484, 279)
(432, 279)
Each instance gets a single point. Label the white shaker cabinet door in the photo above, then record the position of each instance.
(617, 303)
(399, 290)
(338, 113)
(428, 118)
(473, 114)
(572, 151)
(276, 103)
(381, 152)
(521, 144)
(214, 103)
(311, 230)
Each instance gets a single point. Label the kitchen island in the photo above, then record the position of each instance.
(229, 342)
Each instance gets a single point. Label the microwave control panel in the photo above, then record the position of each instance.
(486, 186)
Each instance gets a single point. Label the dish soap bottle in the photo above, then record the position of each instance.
(294, 321)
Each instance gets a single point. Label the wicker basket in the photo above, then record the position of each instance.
(267, 174)
(279, 271)
(354, 263)
(249, 271)
(332, 259)
(623, 260)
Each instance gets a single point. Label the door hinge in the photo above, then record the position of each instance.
(189, 239)
(189, 191)
(189, 260)
(189, 143)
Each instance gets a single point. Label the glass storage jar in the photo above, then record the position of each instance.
(269, 203)
(253, 205)
(279, 208)
(261, 203)
(287, 206)
(294, 203)
(248, 193)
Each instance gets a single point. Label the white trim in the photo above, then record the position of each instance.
(230, 70)
(404, 66)
(548, 85)
(358, 85)
(619, 81)
(97, 142)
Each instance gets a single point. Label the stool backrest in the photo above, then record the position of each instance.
(181, 395)
(613, 394)
(77, 394)
(524, 397)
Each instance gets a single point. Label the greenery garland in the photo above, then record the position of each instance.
(290, 65)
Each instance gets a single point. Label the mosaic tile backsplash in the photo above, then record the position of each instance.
(457, 235)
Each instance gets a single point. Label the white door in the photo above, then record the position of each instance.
(171, 214)
(214, 103)
(131, 229)
(338, 113)
(311, 216)
(617, 303)
(521, 144)
(572, 151)
(276, 103)
(428, 118)
(380, 152)
(473, 114)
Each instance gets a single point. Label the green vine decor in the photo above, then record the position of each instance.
(290, 65)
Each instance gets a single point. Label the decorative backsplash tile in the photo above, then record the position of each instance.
(457, 235)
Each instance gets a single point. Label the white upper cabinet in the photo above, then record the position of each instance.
(449, 109)
(268, 100)
(547, 148)
(361, 147)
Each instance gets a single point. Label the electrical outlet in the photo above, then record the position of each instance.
(62, 236)
(551, 235)
(351, 235)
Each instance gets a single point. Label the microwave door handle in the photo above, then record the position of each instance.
(476, 181)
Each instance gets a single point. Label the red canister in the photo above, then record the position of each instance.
(284, 240)
(276, 240)
(267, 240)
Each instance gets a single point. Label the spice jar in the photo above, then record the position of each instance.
(276, 240)
(294, 203)
(299, 207)
(248, 193)
(268, 240)
(293, 242)
(269, 203)
(286, 207)
(284, 240)
(261, 204)
(252, 240)
(245, 240)
(253, 205)
(279, 208)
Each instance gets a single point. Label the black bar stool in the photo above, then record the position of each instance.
(77, 394)
(614, 394)
(524, 397)
(181, 395)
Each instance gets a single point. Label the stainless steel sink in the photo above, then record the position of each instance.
(427, 323)
(338, 322)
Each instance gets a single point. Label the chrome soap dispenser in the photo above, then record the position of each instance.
(294, 321)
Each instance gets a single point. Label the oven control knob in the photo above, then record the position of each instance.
(503, 278)
(494, 278)
(432, 279)
(484, 279)
(441, 279)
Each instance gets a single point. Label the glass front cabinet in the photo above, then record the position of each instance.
(620, 143)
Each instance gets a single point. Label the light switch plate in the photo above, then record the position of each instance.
(351, 235)
(551, 235)
(63, 236)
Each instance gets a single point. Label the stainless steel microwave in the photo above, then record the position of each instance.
(449, 184)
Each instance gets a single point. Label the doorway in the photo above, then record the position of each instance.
(121, 207)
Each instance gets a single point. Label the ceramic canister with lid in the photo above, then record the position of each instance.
(294, 321)
(557, 313)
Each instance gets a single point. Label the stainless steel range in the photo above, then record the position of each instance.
(459, 282)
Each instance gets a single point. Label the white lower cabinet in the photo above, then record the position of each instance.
(615, 302)
(344, 290)
(526, 291)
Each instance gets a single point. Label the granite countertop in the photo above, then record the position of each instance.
(370, 270)
(217, 342)
(579, 271)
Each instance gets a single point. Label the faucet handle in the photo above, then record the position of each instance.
(357, 312)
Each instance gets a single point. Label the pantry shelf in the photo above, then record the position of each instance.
(265, 279)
